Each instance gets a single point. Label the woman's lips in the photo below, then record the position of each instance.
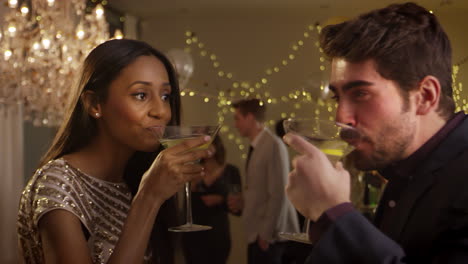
(156, 130)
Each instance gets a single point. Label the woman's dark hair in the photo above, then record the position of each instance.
(406, 42)
(220, 151)
(102, 66)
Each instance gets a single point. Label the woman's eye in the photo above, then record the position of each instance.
(166, 97)
(140, 96)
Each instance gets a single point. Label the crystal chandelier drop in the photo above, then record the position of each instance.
(42, 46)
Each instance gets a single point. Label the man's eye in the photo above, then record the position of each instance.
(360, 94)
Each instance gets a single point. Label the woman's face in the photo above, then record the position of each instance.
(137, 105)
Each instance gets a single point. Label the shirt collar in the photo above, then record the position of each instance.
(254, 142)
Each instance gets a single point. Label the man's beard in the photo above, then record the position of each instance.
(389, 146)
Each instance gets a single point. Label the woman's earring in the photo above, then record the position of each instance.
(97, 115)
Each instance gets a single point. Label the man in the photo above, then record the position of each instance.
(265, 208)
(391, 76)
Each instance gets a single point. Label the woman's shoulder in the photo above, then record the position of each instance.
(56, 171)
(53, 186)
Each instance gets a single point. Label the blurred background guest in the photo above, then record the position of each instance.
(209, 196)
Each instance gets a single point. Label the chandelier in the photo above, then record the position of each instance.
(42, 46)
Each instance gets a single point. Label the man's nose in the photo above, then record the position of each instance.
(345, 114)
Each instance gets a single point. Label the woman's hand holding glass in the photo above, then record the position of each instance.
(175, 166)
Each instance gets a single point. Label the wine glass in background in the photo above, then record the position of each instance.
(332, 138)
(174, 135)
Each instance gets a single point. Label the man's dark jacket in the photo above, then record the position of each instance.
(430, 223)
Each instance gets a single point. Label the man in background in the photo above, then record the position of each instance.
(265, 208)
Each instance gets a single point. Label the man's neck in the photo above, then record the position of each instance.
(426, 129)
(255, 132)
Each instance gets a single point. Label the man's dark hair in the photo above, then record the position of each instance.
(253, 106)
(405, 41)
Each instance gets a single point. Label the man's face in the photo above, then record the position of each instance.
(374, 105)
(242, 123)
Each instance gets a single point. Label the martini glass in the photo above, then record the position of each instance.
(174, 135)
(332, 139)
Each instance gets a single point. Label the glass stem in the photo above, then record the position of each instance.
(188, 195)
(306, 226)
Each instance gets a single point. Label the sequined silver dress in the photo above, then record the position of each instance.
(101, 206)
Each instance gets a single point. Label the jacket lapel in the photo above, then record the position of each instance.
(426, 175)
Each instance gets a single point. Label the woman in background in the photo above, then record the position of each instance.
(209, 198)
(79, 206)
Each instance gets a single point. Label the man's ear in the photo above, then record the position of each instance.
(91, 103)
(250, 116)
(428, 95)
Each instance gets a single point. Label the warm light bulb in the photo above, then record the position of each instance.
(8, 54)
(80, 33)
(24, 9)
(99, 10)
(13, 3)
(51, 2)
(118, 34)
(12, 30)
(36, 46)
(46, 43)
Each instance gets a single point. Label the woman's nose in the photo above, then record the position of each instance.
(160, 109)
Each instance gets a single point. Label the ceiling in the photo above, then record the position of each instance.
(146, 9)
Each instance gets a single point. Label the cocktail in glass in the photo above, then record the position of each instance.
(174, 135)
(332, 139)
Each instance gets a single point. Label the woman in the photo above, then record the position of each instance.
(77, 208)
(209, 208)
